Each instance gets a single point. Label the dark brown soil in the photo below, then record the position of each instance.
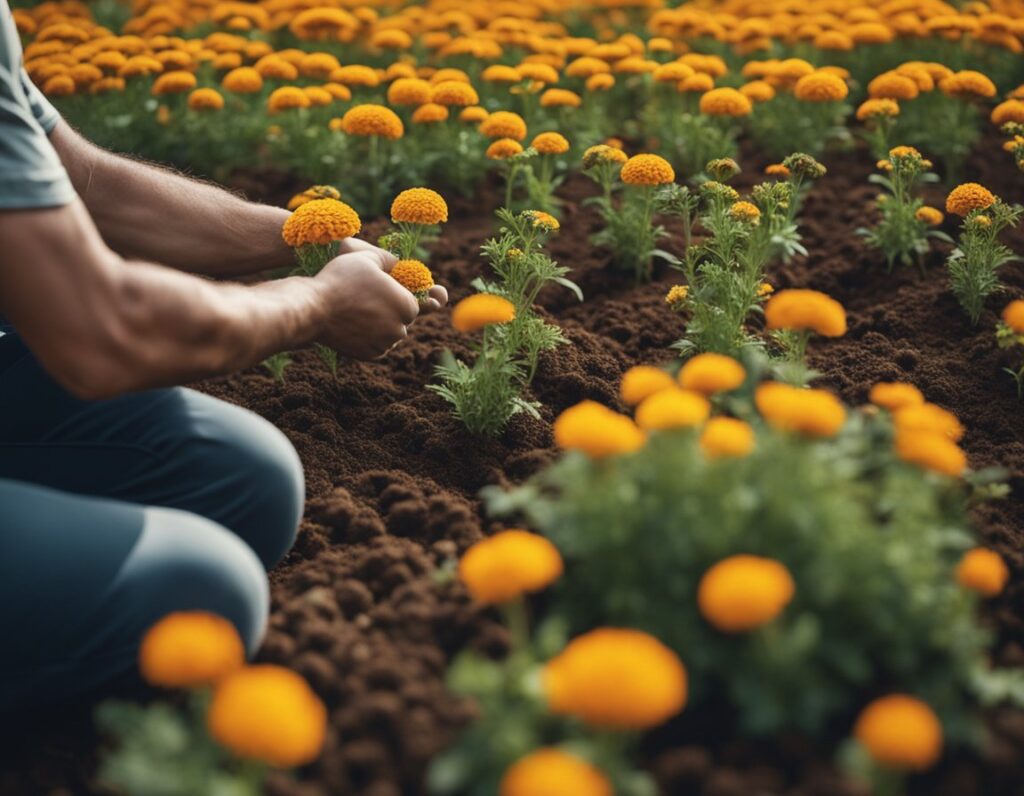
(362, 608)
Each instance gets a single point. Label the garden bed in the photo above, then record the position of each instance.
(362, 607)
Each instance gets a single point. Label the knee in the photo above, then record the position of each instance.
(187, 563)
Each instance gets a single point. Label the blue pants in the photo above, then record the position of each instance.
(115, 513)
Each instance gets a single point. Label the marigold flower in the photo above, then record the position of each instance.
(504, 124)
(672, 72)
(320, 221)
(107, 84)
(480, 310)
(878, 108)
(931, 216)
(243, 80)
(776, 170)
(901, 732)
(430, 113)
(1013, 316)
(177, 82)
(419, 206)
(833, 40)
(968, 197)
(560, 98)
(757, 91)
(414, 276)
(671, 409)
(601, 82)
(1010, 111)
(313, 192)
(744, 592)
(391, 39)
(805, 309)
(983, 571)
(697, 83)
(586, 67)
(616, 678)
(454, 92)
(188, 649)
(546, 221)
(504, 148)
(931, 451)
(816, 413)
(597, 431)
(268, 713)
(725, 102)
(745, 211)
(542, 73)
(474, 114)
(356, 75)
(602, 153)
(409, 91)
(501, 73)
(508, 565)
(642, 381)
(820, 87)
(273, 67)
(59, 86)
(552, 772)
(205, 99)
(890, 85)
(710, 373)
(895, 395)
(765, 289)
(967, 83)
(550, 143)
(287, 98)
(647, 170)
(726, 437)
(676, 296)
(926, 417)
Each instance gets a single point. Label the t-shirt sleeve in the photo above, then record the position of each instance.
(31, 174)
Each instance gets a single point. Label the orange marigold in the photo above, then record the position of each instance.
(900, 731)
(967, 83)
(320, 221)
(372, 120)
(409, 91)
(890, 85)
(931, 216)
(725, 102)
(560, 98)
(647, 170)
(895, 395)
(597, 431)
(205, 99)
(805, 309)
(932, 451)
(287, 98)
(419, 206)
(552, 772)
(1013, 316)
(967, 197)
(642, 381)
(188, 649)
(813, 412)
(508, 565)
(671, 409)
(820, 87)
(504, 148)
(744, 592)
(1010, 111)
(480, 310)
(550, 143)
(504, 124)
(243, 80)
(926, 417)
(726, 437)
(414, 276)
(878, 108)
(454, 92)
(983, 571)
(710, 373)
(430, 113)
(177, 82)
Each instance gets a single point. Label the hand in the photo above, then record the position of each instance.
(367, 311)
(438, 297)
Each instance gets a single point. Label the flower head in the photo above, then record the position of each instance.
(597, 431)
(747, 212)
(895, 395)
(725, 102)
(931, 216)
(743, 592)
(758, 91)
(501, 73)
(414, 276)
(473, 114)
(1013, 316)
(820, 87)
(409, 91)
(722, 169)
(508, 565)
(504, 148)
(177, 82)
(901, 732)
(928, 418)
(726, 437)
(268, 713)
(419, 206)
(932, 451)
(320, 221)
(480, 310)
(504, 124)
(454, 92)
(205, 99)
(430, 113)
(542, 220)
(616, 678)
(710, 373)
(189, 649)
(647, 170)
(967, 83)
(1010, 111)
(641, 381)
(892, 86)
(816, 413)
(560, 98)
(983, 571)
(968, 197)
(287, 98)
(550, 772)
(602, 153)
(878, 108)
(805, 309)
(672, 408)
(372, 120)
(550, 143)
(676, 296)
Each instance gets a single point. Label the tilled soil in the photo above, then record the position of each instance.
(363, 608)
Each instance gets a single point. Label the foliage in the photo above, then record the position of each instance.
(974, 264)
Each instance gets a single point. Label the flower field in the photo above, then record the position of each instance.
(709, 482)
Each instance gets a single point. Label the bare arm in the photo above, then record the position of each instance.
(102, 328)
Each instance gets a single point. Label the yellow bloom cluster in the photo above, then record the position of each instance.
(743, 592)
(419, 206)
(320, 221)
(805, 310)
(480, 310)
(508, 565)
(647, 170)
(414, 276)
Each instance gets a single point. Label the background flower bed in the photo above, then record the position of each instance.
(359, 608)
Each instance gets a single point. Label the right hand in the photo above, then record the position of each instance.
(367, 311)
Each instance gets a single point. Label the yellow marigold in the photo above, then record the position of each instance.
(967, 83)
(188, 649)
(642, 381)
(474, 114)
(870, 33)
(586, 67)
(820, 87)
(409, 91)
(833, 40)
(480, 310)
(981, 221)
(59, 86)
(454, 92)
(745, 211)
(931, 216)
(744, 592)
(287, 98)
(1010, 111)
(929, 418)
(313, 192)
(430, 113)
(647, 170)
(542, 73)
(504, 124)
(320, 221)
(600, 82)
(560, 98)
(503, 148)
(372, 120)
(85, 75)
(356, 75)
(552, 772)
(726, 437)
(501, 73)
(725, 102)
(337, 91)
(672, 408)
(550, 143)
(805, 309)
(765, 289)
(931, 451)
(391, 39)
(672, 72)
(901, 732)
(509, 565)
(890, 85)
(676, 296)
(757, 91)
(107, 84)
(273, 67)
(876, 108)
(597, 431)
(983, 571)
(816, 413)
(414, 276)
(1013, 316)
(776, 170)
(602, 153)
(967, 197)
(546, 221)
(244, 80)
(895, 395)
(616, 678)
(205, 99)
(268, 713)
(419, 206)
(710, 373)
(177, 82)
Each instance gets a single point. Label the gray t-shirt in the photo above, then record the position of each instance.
(31, 174)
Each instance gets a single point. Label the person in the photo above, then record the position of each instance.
(124, 497)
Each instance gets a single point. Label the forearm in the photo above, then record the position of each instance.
(151, 213)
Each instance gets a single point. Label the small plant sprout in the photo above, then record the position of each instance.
(907, 224)
(513, 159)
(1010, 336)
(974, 264)
(417, 213)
